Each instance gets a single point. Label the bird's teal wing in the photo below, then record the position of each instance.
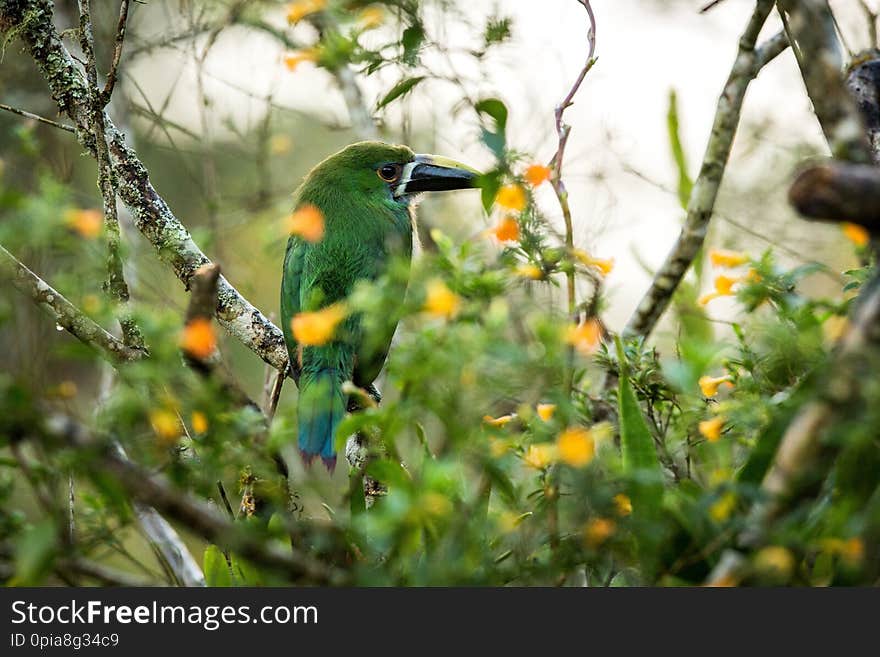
(291, 280)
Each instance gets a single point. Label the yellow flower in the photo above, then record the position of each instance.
(775, 560)
(721, 510)
(604, 266)
(198, 338)
(280, 144)
(307, 222)
(498, 447)
(88, 223)
(530, 271)
(834, 328)
(199, 422)
(165, 424)
(623, 504)
(724, 258)
(507, 230)
(371, 17)
(67, 389)
(576, 446)
(294, 59)
(546, 411)
(585, 337)
(440, 300)
(298, 10)
(512, 197)
(313, 329)
(537, 174)
(435, 504)
(598, 530)
(709, 384)
(855, 233)
(723, 288)
(499, 421)
(851, 550)
(711, 429)
(540, 456)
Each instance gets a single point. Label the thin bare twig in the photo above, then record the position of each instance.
(37, 117)
(110, 83)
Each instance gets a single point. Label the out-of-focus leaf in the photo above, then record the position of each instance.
(685, 183)
(399, 90)
(35, 553)
(216, 567)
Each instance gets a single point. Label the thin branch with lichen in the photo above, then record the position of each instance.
(65, 314)
(115, 284)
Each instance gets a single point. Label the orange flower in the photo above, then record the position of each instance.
(709, 384)
(723, 288)
(605, 266)
(313, 329)
(307, 222)
(298, 10)
(598, 531)
(441, 301)
(711, 429)
(513, 197)
(199, 422)
(537, 174)
(724, 258)
(576, 446)
(585, 337)
(507, 230)
(198, 338)
(546, 411)
(294, 59)
(88, 223)
(855, 234)
(498, 421)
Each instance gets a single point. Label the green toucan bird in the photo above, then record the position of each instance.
(365, 195)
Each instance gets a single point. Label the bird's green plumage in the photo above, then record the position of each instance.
(367, 224)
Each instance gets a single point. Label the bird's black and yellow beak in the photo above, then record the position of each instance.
(433, 173)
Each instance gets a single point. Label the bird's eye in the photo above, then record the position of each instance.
(389, 172)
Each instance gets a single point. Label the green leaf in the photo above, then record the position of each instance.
(685, 184)
(398, 90)
(216, 567)
(35, 553)
(489, 184)
(495, 137)
(411, 40)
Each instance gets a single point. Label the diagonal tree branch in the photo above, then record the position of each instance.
(701, 206)
(154, 219)
(65, 313)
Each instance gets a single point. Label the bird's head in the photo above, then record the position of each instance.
(392, 173)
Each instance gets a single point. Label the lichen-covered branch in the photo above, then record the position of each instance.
(65, 314)
(115, 284)
(810, 27)
(32, 19)
(863, 82)
(701, 205)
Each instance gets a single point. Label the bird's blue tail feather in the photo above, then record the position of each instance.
(321, 409)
